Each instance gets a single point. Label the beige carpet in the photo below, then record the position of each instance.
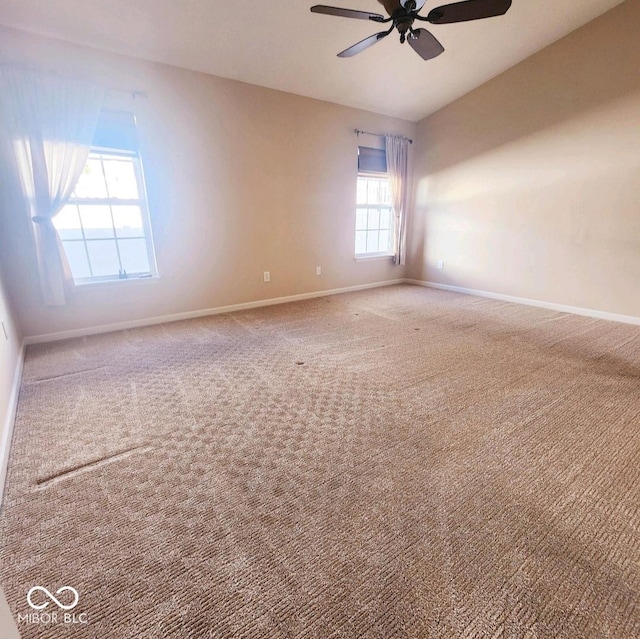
(399, 462)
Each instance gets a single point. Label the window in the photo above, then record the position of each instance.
(374, 213)
(104, 228)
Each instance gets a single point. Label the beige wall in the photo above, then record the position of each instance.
(530, 185)
(240, 179)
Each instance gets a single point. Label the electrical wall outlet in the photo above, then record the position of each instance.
(440, 265)
(267, 276)
(318, 270)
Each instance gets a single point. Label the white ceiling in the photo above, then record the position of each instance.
(281, 45)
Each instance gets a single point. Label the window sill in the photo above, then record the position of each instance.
(128, 281)
(373, 257)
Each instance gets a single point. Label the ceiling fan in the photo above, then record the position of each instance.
(403, 13)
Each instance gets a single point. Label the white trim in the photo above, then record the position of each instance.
(10, 420)
(163, 319)
(119, 326)
(562, 308)
(371, 257)
(81, 287)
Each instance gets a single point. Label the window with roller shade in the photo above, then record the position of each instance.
(105, 228)
(374, 213)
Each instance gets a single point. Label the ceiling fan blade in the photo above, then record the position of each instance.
(468, 10)
(363, 44)
(425, 44)
(346, 13)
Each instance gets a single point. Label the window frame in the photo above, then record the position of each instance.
(391, 229)
(141, 202)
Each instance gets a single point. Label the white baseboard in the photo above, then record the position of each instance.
(10, 420)
(164, 319)
(561, 308)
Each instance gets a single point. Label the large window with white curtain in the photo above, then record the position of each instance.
(105, 228)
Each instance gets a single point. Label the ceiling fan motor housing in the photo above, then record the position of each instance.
(403, 19)
(403, 24)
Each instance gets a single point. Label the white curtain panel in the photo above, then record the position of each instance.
(49, 122)
(397, 149)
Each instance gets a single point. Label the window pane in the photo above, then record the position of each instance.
(361, 242)
(362, 191)
(133, 254)
(361, 219)
(372, 241)
(121, 179)
(385, 192)
(374, 219)
(385, 219)
(373, 191)
(384, 243)
(96, 221)
(91, 182)
(67, 223)
(77, 258)
(128, 221)
(104, 257)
